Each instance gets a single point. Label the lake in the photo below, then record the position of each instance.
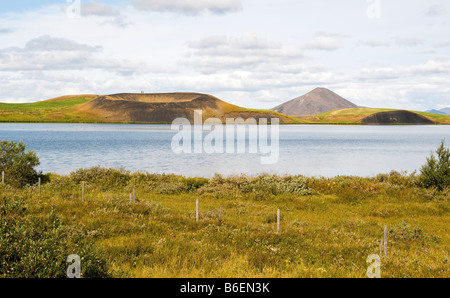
(311, 150)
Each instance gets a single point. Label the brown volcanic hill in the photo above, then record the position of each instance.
(166, 107)
(396, 117)
(318, 101)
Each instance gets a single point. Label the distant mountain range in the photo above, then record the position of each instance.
(319, 100)
(444, 111)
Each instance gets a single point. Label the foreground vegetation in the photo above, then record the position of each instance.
(328, 226)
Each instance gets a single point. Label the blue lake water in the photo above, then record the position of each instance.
(303, 149)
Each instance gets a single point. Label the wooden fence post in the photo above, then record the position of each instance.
(278, 221)
(134, 195)
(39, 185)
(196, 210)
(82, 191)
(3, 177)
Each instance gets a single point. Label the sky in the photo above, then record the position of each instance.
(252, 53)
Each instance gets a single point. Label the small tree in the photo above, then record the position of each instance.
(436, 172)
(17, 163)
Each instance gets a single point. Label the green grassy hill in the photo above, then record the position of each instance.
(131, 108)
(62, 109)
(356, 115)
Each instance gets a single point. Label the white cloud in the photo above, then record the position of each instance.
(50, 53)
(436, 66)
(189, 7)
(5, 30)
(374, 43)
(100, 9)
(48, 43)
(324, 42)
(246, 53)
(97, 9)
(435, 11)
(443, 44)
(408, 42)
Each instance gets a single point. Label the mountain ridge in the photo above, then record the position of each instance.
(444, 111)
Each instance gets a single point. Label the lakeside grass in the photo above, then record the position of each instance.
(328, 225)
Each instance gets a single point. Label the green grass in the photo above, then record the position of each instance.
(44, 105)
(355, 115)
(61, 110)
(328, 226)
(443, 119)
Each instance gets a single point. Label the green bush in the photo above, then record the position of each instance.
(264, 185)
(102, 177)
(17, 163)
(39, 247)
(405, 232)
(436, 171)
(171, 188)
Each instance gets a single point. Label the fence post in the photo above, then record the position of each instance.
(385, 241)
(3, 177)
(82, 191)
(278, 221)
(134, 195)
(39, 185)
(220, 214)
(196, 210)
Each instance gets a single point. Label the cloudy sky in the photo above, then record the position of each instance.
(253, 53)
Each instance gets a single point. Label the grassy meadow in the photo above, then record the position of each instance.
(329, 226)
(61, 110)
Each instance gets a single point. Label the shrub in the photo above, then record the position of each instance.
(264, 185)
(38, 248)
(279, 185)
(436, 171)
(102, 177)
(395, 178)
(17, 163)
(404, 231)
(195, 183)
(171, 188)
